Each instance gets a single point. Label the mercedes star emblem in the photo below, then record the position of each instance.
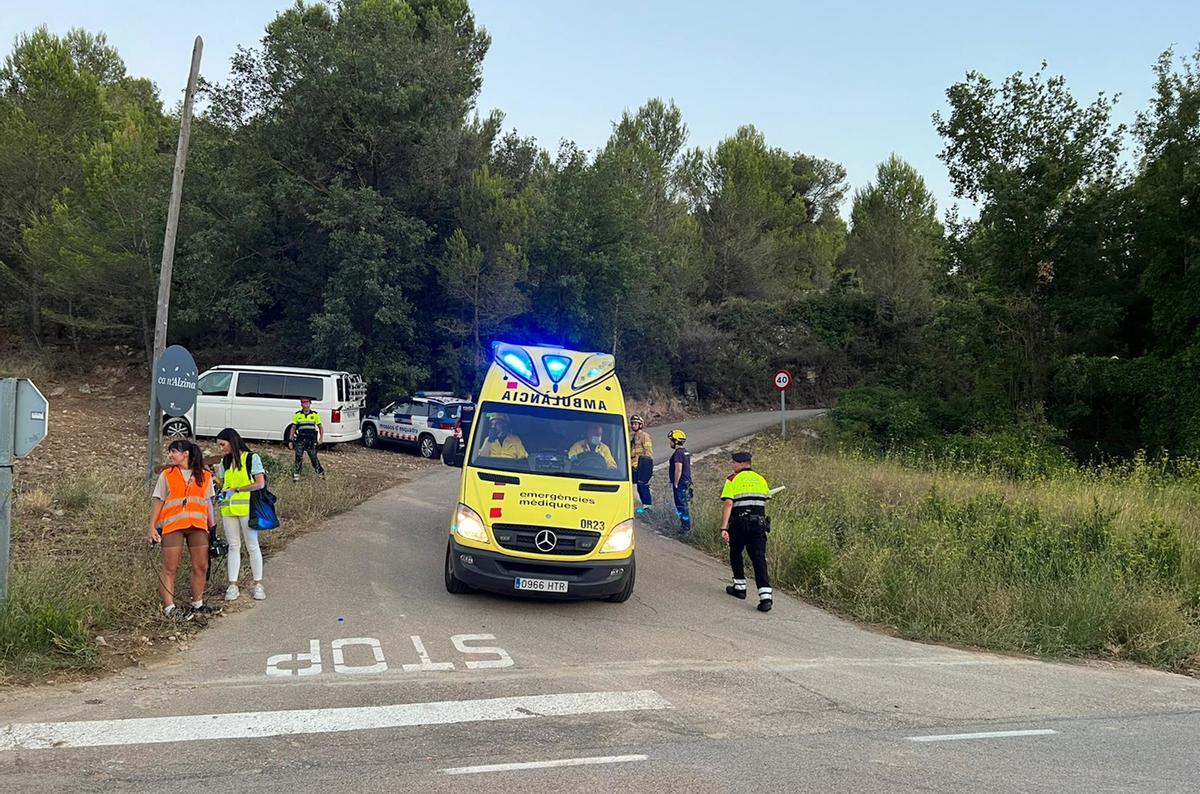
(545, 540)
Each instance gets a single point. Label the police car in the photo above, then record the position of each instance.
(425, 419)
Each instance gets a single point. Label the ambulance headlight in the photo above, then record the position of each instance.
(620, 539)
(467, 524)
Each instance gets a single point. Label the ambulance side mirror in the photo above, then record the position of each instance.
(452, 452)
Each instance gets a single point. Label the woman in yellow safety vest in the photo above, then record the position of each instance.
(182, 512)
(240, 472)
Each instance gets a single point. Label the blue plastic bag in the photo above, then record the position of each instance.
(262, 510)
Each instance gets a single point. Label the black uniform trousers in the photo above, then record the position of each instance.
(306, 442)
(748, 535)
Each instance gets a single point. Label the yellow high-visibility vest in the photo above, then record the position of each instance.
(239, 503)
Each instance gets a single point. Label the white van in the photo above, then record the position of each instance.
(259, 402)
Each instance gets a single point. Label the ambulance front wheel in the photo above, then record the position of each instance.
(453, 583)
(621, 596)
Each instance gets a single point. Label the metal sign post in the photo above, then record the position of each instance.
(24, 420)
(783, 381)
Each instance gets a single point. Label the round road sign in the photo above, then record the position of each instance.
(175, 378)
(783, 379)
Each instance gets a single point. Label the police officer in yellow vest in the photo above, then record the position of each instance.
(306, 434)
(744, 526)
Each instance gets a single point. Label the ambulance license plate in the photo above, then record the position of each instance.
(540, 585)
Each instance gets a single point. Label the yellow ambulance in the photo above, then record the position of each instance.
(545, 505)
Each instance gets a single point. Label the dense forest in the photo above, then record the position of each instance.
(347, 204)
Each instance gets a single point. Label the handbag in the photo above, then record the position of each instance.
(263, 515)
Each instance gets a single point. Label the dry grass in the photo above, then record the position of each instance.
(82, 567)
(1100, 562)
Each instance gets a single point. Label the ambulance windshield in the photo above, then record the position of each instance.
(544, 440)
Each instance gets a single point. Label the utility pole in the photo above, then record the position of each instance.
(168, 260)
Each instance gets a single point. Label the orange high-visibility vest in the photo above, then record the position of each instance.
(186, 505)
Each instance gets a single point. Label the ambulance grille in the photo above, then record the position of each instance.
(519, 537)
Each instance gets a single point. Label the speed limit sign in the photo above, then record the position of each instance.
(783, 379)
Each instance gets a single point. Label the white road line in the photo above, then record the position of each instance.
(600, 759)
(955, 737)
(253, 725)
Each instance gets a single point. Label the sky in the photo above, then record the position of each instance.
(852, 81)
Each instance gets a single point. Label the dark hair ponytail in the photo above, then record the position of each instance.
(237, 447)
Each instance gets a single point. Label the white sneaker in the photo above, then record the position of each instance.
(232, 593)
(258, 592)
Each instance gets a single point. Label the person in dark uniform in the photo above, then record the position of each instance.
(306, 434)
(744, 526)
(679, 469)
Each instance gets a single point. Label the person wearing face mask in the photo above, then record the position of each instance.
(641, 457)
(500, 443)
(593, 443)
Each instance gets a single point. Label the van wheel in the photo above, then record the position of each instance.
(370, 438)
(177, 428)
(427, 446)
(453, 583)
(627, 590)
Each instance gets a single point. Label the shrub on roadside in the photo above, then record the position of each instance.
(1070, 563)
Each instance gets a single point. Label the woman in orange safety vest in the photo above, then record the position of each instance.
(182, 512)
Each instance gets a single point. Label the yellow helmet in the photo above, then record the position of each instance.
(678, 436)
(636, 418)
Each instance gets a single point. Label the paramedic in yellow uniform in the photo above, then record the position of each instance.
(500, 443)
(593, 443)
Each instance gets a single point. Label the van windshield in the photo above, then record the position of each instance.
(542, 440)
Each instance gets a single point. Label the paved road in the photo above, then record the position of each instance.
(681, 688)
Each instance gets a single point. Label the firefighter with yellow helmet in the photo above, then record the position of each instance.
(679, 470)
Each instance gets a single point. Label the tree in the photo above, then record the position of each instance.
(770, 220)
(353, 118)
(60, 98)
(484, 268)
(1046, 247)
(895, 242)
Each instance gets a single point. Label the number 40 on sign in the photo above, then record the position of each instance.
(783, 381)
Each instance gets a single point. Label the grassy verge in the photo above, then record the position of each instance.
(1077, 563)
(81, 567)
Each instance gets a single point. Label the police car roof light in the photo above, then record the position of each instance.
(556, 366)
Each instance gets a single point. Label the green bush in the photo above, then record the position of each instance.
(881, 416)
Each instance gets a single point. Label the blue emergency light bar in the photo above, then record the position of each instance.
(556, 366)
(517, 361)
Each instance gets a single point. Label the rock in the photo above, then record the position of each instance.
(101, 642)
(145, 640)
(58, 392)
(171, 638)
(84, 388)
(183, 646)
(59, 513)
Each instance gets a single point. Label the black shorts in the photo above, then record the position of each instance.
(195, 538)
